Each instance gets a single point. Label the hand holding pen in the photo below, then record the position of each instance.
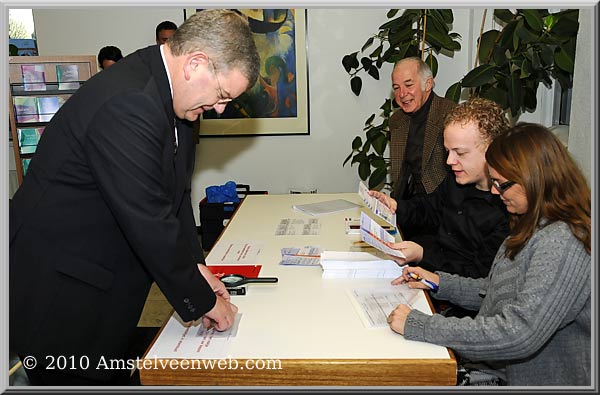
(414, 275)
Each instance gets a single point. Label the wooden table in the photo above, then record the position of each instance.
(305, 328)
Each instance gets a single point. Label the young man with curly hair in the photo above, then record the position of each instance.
(459, 227)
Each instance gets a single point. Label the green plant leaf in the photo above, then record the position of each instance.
(378, 162)
(550, 21)
(499, 56)
(514, 94)
(367, 44)
(432, 62)
(396, 23)
(437, 39)
(378, 177)
(374, 72)
(356, 143)
(534, 20)
(546, 55)
(453, 93)
(447, 15)
(376, 52)
(400, 35)
(380, 143)
(347, 159)
(479, 75)
(370, 119)
(506, 41)
(364, 170)
(486, 45)
(436, 20)
(497, 95)
(392, 13)
(366, 62)
(504, 15)
(386, 107)
(567, 24)
(356, 85)
(525, 35)
(350, 61)
(455, 45)
(563, 60)
(515, 36)
(564, 79)
(525, 68)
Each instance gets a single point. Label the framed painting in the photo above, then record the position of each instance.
(278, 103)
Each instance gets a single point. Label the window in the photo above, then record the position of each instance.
(21, 33)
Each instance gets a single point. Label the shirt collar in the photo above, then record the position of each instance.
(162, 55)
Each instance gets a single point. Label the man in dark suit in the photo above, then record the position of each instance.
(417, 152)
(105, 207)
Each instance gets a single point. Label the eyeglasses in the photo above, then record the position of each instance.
(222, 99)
(501, 188)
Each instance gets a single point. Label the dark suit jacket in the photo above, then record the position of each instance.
(433, 162)
(103, 211)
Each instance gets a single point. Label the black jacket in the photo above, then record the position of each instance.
(103, 211)
(459, 227)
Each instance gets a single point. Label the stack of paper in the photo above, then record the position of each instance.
(343, 264)
(327, 207)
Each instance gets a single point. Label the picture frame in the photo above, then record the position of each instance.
(265, 115)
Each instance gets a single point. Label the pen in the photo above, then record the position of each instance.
(430, 284)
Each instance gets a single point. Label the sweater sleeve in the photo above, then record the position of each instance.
(536, 294)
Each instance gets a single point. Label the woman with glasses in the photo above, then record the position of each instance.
(534, 323)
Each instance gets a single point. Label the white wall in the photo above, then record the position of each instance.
(583, 129)
(277, 163)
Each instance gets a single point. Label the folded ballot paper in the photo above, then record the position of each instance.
(344, 264)
(378, 208)
(373, 234)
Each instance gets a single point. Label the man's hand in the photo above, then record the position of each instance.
(217, 285)
(385, 199)
(222, 316)
(411, 250)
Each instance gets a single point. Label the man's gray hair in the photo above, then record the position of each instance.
(422, 68)
(224, 36)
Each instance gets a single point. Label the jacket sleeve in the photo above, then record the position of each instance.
(475, 263)
(126, 147)
(186, 214)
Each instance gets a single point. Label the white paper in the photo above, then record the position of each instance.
(235, 253)
(327, 207)
(345, 264)
(301, 256)
(298, 226)
(378, 208)
(194, 342)
(374, 305)
(373, 234)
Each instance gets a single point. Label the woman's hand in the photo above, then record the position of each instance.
(397, 318)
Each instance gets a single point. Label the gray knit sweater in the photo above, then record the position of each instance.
(534, 313)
